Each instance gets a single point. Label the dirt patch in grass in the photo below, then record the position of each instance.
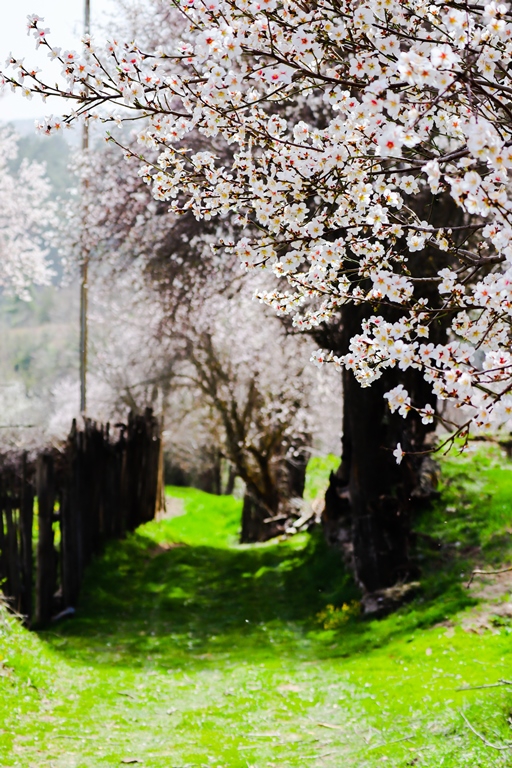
(161, 548)
(494, 610)
(174, 507)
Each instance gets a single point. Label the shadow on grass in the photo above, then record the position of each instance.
(188, 606)
(177, 603)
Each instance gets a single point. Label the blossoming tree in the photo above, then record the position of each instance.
(265, 397)
(370, 147)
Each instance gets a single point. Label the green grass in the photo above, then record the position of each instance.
(191, 650)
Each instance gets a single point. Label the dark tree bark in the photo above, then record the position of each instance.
(230, 483)
(254, 517)
(370, 497)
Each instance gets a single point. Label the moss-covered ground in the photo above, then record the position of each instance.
(190, 650)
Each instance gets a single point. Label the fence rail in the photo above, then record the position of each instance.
(57, 511)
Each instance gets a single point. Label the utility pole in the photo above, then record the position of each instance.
(85, 254)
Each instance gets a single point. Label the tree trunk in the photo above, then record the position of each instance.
(378, 489)
(296, 474)
(369, 499)
(258, 523)
(267, 510)
(253, 515)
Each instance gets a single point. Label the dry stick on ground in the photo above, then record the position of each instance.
(478, 572)
(500, 748)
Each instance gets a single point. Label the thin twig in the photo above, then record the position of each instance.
(478, 572)
(488, 685)
(394, 741)
(499, 747)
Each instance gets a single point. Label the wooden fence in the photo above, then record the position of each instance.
(58, 510)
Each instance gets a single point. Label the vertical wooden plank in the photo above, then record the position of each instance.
(123, 489)
(149, 477)
(73, 560)
(3, 538)
(111, 477)
(133, 471)
(110, 488)
(101, 483)
(26, 530)
(160, 486)
(152, 466)
(88, 478)
(97, 476)
(70, 565)
(46, 565)
(83, 498)
(13, 554)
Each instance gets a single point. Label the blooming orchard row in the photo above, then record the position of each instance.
(368, 154)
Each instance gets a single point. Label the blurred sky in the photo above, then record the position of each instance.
(65, 20)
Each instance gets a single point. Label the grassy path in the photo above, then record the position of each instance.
(189, 650)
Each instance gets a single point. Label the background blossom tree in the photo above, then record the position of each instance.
(26, 215)
(271, 407)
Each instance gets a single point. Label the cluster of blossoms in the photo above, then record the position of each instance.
(369, 147)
